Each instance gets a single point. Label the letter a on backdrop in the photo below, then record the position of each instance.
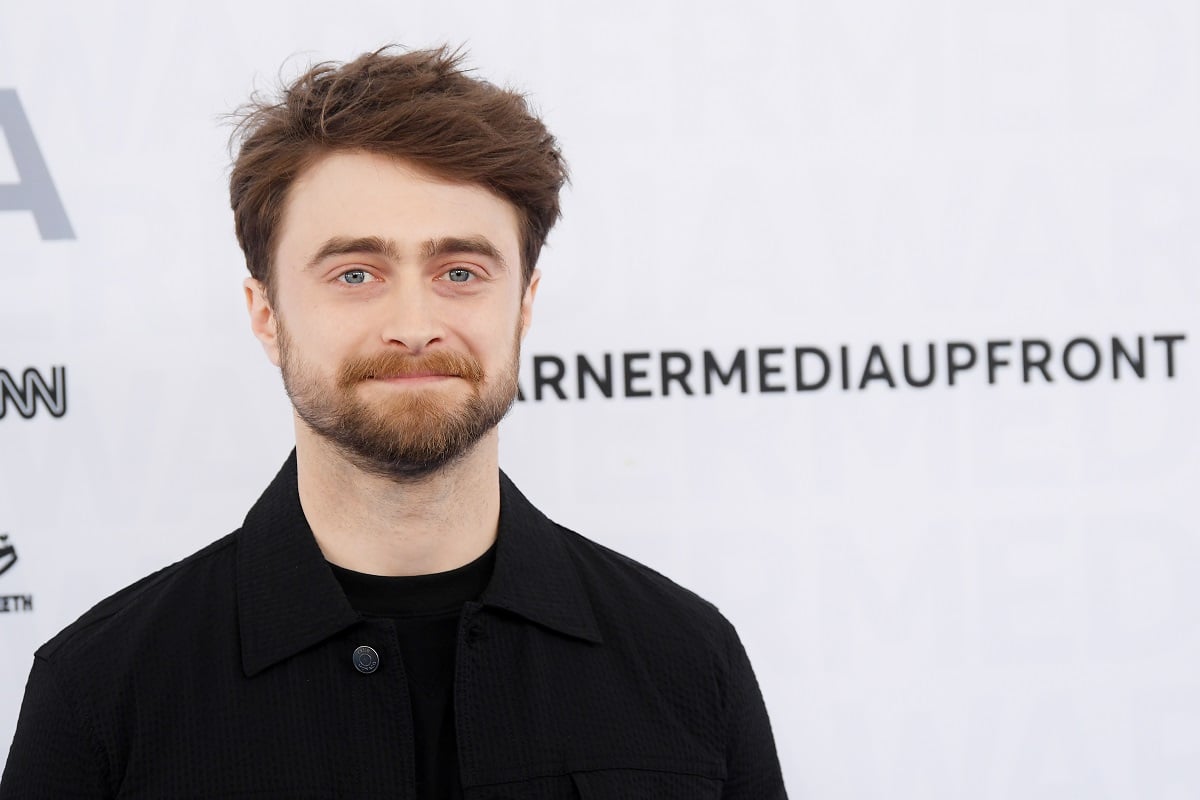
(34, 190)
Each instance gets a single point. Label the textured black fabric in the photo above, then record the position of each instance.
(425, 610)
(578, 674)
(399, 596)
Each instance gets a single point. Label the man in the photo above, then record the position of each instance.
(394, 619)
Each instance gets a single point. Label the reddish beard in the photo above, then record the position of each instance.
(410, 433)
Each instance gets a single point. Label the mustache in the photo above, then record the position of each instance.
(398, 365)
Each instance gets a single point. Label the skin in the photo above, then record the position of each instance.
(361, 304)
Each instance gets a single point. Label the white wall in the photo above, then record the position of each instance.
(979, 590)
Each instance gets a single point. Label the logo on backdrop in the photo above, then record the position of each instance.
(34, 190)
(8, 554)
(11, 603)
(33, 386)
(874, 367)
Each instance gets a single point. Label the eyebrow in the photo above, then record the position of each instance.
(431, 248)
(344, 245)
(462, 244)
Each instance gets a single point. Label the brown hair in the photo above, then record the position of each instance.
(420, 106)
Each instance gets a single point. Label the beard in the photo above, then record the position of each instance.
(408, 434)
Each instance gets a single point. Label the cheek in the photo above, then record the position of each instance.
(492, 348)
(318, 349)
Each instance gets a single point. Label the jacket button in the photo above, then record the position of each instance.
(366, 660)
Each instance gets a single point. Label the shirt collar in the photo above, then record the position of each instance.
(289, 599)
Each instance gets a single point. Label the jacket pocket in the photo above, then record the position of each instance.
(641, 784)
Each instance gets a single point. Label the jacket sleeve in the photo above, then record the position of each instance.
(752, 764)
(53, 753)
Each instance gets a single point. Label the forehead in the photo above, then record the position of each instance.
(357, 194)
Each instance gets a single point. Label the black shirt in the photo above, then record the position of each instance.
(425, 610)
(578, 674)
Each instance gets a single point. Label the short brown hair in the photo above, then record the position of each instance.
(420, 106)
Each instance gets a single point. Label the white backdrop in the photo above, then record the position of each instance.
(983, 590)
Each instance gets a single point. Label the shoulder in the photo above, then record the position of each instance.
(642, 599)
(186, 590)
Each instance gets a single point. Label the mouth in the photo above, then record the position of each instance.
(404, 370)
(412, 377)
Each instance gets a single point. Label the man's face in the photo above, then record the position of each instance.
(398, 311)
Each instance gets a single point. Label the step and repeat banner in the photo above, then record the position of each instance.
(874, 324)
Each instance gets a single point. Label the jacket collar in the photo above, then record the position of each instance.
(535, 575)
(289, 600)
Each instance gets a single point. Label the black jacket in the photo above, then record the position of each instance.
(580, 674)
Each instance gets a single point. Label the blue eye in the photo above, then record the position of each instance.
(459, 275)
(354, 276)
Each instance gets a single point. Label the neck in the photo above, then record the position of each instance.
(373, 524)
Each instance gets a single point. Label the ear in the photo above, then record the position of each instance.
(527, 301)
(263, 322)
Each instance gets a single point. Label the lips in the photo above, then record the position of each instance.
(411, 376)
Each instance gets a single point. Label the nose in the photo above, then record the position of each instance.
(411, 318)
